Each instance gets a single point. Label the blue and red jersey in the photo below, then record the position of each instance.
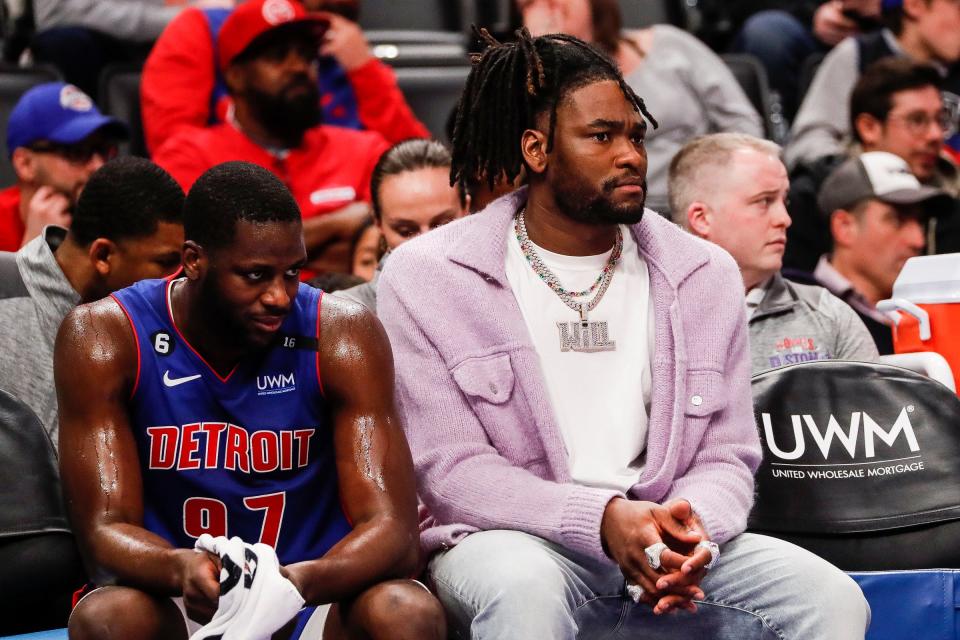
(248, 454)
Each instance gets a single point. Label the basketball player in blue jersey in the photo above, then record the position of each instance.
(234, 401)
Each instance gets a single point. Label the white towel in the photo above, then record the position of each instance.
(255, 600)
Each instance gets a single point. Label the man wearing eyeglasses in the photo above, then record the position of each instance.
(924, 31)
(56, 138)
(896, 106)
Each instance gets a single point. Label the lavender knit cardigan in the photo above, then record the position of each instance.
(485, 442)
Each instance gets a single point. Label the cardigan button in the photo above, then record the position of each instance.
(696, 401)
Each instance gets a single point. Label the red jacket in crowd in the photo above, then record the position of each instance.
(179, 78)
(330, 169)
(11, 224)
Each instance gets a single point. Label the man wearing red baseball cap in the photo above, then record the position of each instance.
(267, 53)
(181, 85)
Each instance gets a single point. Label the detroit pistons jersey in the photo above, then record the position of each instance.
(249, 454)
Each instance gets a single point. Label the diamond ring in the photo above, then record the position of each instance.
(653, 553)
(714, 550)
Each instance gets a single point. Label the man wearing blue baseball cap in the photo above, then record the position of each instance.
(56, 138)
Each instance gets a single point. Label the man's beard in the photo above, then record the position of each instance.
(231, 328)
(584, 205)
(285, 117)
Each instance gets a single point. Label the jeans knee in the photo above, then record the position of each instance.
(845, 597)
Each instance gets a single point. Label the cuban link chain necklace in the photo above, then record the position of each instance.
(582, 336)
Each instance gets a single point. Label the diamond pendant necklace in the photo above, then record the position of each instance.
(582, 336)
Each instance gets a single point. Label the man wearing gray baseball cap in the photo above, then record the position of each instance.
(878, 213)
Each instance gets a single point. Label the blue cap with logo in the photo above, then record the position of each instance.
(58, 113)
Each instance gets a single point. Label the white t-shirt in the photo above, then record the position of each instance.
(601, 398)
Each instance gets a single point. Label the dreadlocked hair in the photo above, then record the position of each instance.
(512, 83)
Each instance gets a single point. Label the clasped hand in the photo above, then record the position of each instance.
(630, 526)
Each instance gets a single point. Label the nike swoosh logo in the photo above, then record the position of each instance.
(172, 382)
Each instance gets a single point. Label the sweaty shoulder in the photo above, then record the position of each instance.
(342, 313)
(351, 336)
(97, 337)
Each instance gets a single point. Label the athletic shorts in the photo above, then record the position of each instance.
(310, 620)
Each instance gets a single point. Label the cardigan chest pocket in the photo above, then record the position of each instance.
(489, 378)
(490, 388)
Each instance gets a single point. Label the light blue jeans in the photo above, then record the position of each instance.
(501, 585)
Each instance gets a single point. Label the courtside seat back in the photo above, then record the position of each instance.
(859, 459)
(912, 604)
(30, 501)
(41, 564)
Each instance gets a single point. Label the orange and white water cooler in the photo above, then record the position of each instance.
(926, 300)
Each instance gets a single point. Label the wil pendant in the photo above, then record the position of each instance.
(585, 336)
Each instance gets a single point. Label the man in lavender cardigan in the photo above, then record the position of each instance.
(573, 376)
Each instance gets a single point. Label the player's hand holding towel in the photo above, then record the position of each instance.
(255, 600)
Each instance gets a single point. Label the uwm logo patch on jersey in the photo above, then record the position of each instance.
(248, 453)
(276, 383)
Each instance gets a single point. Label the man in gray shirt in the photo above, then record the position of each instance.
(730, 189)
(925, 32)
(126, 227)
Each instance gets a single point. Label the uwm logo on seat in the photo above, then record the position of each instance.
(834, 447)
(277, 383)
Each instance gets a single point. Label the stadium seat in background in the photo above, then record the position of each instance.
(418, 15)
(432, 93)
(120, 97)
(41, 564)
(495, 15)
(752, 78)
(643, 13)
(407, 48)
(14, 82)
